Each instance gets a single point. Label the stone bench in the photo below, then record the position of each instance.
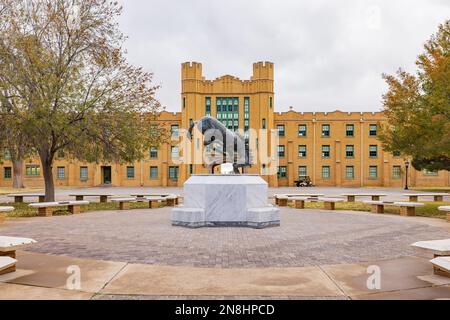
(445, 209)
(7, 264)
(46, 208)
(124, 203)
(18, 198)
(8, 247)
(438, 248)
(171, 200)
(352, 196)
(299, 202)
(441, 266)
(329, 203)
(414, 197)
(408, 208)
(281, 200)
(80, 196)
(292, 195)
(6, 209)
(377, 206)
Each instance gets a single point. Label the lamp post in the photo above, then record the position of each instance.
(406, 175)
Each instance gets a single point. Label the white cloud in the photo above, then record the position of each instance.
(328, 55)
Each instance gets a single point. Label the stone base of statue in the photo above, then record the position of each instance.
(225, 201)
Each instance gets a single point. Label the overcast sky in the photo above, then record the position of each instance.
(328, 55)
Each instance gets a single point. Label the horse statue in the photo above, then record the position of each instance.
(229, 145)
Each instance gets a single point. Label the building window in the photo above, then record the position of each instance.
(191, 169)
(7, 173)
(281, 131)
(373, 151)
(281, 151)
(84, 173)
(396, 172)
(32, 170)
(208, 106)
(430, 172)
(184, 102)
(302, 130)
(174, 151)
(302, 172)
(61, 173)
(350, 130)
(325, 130)
(282, 172)
(153, 153)
(264, 123)
(396, 154)
(228, 112)
(173, 173)
(270, 102)
(349, 151)
(302, 151)
(153, 173)
(350, 172)
(373, 130)
(130, 172)
(373, 172)
(326, 172)
(174, 131)
(325, 151)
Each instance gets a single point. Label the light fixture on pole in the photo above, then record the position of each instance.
(406, 175)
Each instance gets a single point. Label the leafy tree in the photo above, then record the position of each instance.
(63, 62)
(418, 107)
(13, 141)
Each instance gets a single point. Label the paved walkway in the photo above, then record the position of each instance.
(305, 238)
(41, 276)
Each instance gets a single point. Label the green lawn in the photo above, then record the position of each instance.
(23, 210)
(432, 189)
(429, 210)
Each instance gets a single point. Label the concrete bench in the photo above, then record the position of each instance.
(6, 209)
(292, 195)
(299, 202)
(8, 247)
(445, 209)
(414, 197)
(7, 264)
(329, 203)
(438, 248)
(441, 266)
(46, 208)
(408, 208)
(352, 196)
(124, 203)
(171, 200)
(18, 198)
(377, 206)
(80, 196)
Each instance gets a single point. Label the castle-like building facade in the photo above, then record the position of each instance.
(331, 148)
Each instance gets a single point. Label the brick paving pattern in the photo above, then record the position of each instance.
(306, 237)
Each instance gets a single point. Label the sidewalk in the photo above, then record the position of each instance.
(41, 276)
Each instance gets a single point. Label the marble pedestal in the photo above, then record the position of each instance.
(225, 200)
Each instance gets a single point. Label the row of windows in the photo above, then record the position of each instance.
(349, 172)
(326, 131)
(34, 170)
(326, 151)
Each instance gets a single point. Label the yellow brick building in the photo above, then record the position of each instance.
(333, 149)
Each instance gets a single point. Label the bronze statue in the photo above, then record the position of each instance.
(230, 145)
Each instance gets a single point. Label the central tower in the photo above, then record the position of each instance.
(238, 104)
